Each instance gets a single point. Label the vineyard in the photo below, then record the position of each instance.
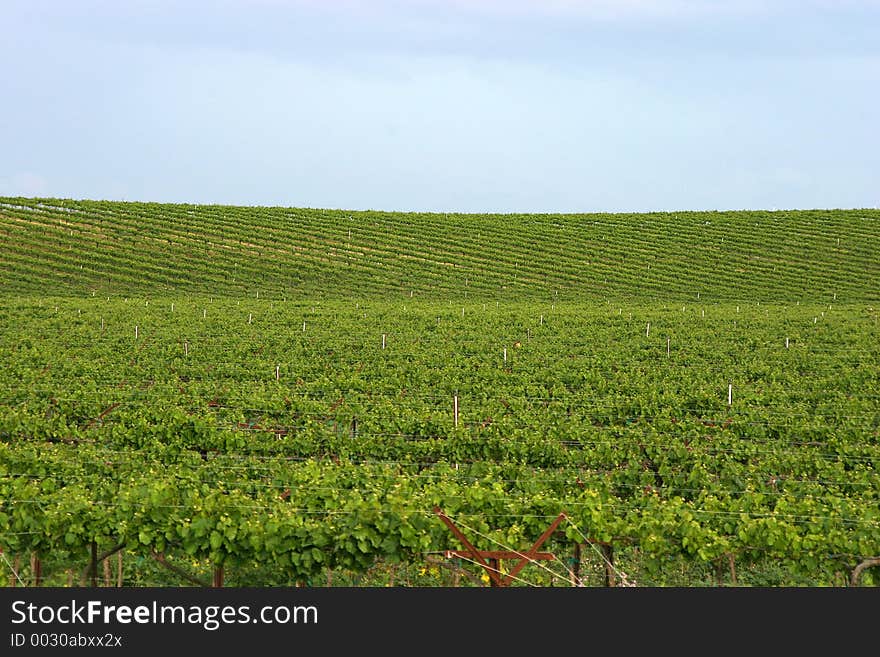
(246, 396)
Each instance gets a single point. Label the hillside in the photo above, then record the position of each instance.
(695, 392)
(70, 247)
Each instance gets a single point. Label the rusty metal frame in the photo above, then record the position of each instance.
(490, 560)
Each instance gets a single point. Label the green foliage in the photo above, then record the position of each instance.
(276, 437)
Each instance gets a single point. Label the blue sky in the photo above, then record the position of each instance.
(426, 105)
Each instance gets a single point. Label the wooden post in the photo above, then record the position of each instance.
(576, 566)
(719, 572)
(108, 577)
(218, 577)
(119, 569)
(608, 554)
(16, 569)
(93, 564)
(36, 568)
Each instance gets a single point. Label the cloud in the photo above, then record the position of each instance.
(589, 10)
(24, 183)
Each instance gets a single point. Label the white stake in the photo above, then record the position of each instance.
(455, 409)
(542, 320)
(383, 340)
(250, 318)
(647, 329)
(172, 307)
(102, 323)
(204, 312)
(277, 372)
(304, 326)
(667, 346)
(135, 332)
(505, 354)
(786, 343)
(729, 394)
(185, 348)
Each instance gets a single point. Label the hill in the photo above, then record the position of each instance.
(76, 247)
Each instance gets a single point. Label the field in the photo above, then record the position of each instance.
(277, 396)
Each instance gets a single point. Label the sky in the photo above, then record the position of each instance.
(444, 106)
